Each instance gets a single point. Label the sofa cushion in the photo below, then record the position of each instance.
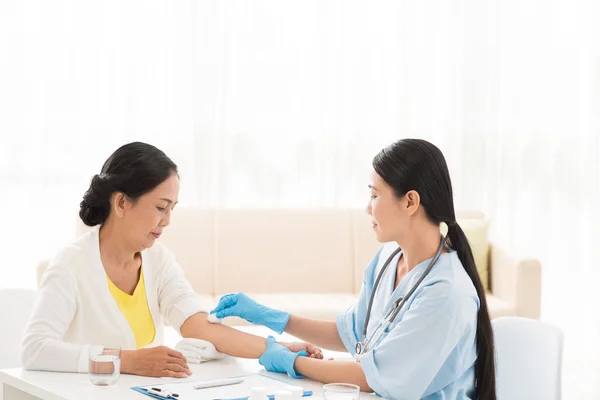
(279, 251)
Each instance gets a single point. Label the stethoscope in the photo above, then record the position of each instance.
(369, 341)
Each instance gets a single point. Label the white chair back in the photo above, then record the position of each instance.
(528, 359)
(15, 309)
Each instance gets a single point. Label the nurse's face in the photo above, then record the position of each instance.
(390, 216)
(143, 221)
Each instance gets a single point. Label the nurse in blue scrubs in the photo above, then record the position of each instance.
(440, 343)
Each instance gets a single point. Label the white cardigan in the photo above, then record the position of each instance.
(75, 309)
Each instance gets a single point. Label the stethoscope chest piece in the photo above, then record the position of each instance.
(359, 347)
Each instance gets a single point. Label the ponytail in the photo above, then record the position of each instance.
(485, 377)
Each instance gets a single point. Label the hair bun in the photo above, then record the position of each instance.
(95, 206)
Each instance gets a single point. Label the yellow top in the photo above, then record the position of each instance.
(136, 311)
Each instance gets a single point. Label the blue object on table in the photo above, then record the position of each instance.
(307, 393)
(144, 390)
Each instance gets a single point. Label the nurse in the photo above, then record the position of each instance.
(440, 344)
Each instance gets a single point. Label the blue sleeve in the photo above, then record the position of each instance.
(408, 359)
(350, 323)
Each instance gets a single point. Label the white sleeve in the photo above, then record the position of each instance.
(177, 300)
(43, 347)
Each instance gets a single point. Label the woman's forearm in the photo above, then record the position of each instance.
(226, 339)
(328, 371)
(321, 333)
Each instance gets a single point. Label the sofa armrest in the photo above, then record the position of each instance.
(516, 280)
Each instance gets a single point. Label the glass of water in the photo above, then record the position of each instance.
(341, 391)
(105, 365)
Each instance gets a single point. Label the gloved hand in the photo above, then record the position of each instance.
(240, 305)
(278, 358)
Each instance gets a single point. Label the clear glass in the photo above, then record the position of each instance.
(105, 365)
(341, 391)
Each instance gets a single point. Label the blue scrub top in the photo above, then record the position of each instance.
(430, 350)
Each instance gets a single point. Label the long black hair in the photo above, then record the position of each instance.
(134, 169)
(414, 164)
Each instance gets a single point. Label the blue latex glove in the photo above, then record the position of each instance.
(278, 358)
(240, 305)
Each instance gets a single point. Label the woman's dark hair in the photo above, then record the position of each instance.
(414, 164)
(133, 169)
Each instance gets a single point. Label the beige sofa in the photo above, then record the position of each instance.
(311, 262)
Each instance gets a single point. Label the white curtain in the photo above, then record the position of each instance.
(278, 103)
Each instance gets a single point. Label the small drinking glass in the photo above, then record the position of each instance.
(105, 365)
(341, 391)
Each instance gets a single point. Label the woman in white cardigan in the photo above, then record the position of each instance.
(114, 286)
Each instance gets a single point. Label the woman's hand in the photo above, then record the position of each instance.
(155, 361)
(312, 351)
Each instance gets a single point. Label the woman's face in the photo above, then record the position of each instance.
(389, 215)
(144, 220)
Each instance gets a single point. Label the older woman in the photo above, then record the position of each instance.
(115, 285)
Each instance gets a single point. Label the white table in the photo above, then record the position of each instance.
(35, 385)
